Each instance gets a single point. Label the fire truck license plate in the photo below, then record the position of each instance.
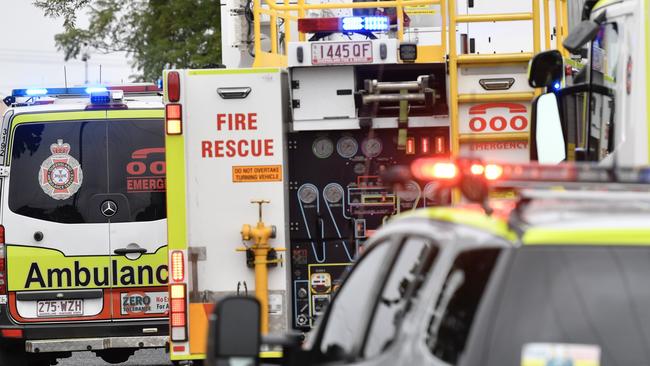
(59, 308)
(337, 53)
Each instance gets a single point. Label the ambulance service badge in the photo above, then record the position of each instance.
(60, 175)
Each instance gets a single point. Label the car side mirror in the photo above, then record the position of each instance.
(234, 331)
(546, 69)
(548, 144)
(584, 33)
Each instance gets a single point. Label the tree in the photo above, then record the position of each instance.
(157, 34)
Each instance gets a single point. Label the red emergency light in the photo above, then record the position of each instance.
(173, 86)
(374, 23)
(134, 89)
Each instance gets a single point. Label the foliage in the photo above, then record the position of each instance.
(157, 34)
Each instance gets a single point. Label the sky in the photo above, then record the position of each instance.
(29, 57)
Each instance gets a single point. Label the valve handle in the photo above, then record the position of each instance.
(260, 203)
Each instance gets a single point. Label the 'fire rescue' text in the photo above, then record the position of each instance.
(236, 147)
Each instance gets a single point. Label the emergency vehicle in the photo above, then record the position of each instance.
(342, 92)
(555, 279)
(83, 264)
(603, 116)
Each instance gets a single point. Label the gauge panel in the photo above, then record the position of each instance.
(337, 200)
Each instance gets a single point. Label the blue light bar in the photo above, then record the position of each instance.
(100, 96)
(371, 23)
(35, 92)
(32, 92)
(96, 89)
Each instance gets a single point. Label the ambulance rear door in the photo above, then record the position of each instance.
(136, 212)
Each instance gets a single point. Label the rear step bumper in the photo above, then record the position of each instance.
(92, 344)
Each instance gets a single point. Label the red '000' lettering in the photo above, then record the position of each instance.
(498, 123)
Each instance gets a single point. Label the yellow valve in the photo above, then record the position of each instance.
(260, 235)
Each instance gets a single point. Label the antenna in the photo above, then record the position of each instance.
(100, 73)
(65, 77)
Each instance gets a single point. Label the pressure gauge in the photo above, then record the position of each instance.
(372, 147)
(410, 192)
(307, 194)
(430, 191)
(322, 147)
(347, 147)
(333, 193)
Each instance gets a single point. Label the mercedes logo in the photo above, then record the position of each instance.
(109, 208)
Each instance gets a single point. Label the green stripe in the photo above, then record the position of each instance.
(176, 201)
(138, 113)
(592, 236)
(472, 218)
(57, 116)
(602, 3)
(233, 71)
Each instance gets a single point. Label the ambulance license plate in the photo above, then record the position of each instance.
(49, 308)
(340, 53)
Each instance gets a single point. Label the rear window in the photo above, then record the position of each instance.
(63, 171)
(556, 298)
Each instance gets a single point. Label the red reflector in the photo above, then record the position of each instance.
(173, 86)
(178, 320)
(410, 146)
(178, 266)
(179, 348)
(2, 234)
(314, 25)
(12, 333)
(178, 305)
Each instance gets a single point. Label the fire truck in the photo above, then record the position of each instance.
(274, 163)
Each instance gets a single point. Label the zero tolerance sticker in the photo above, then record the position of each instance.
(60, 174)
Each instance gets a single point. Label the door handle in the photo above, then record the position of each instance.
(132, 250)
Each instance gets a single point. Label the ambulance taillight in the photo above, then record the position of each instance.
(173, 86)
(3, 277)
(173, 119)
(178, 317)
(178, 266)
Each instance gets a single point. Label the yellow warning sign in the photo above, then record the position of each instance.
(259, 173)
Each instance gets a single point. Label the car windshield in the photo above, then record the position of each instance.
(558, 303)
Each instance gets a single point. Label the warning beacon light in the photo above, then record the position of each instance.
(344, 25)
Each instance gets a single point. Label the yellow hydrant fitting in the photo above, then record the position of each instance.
(260, 235)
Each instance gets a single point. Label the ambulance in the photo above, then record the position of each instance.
(83, 264)
(274, 171)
